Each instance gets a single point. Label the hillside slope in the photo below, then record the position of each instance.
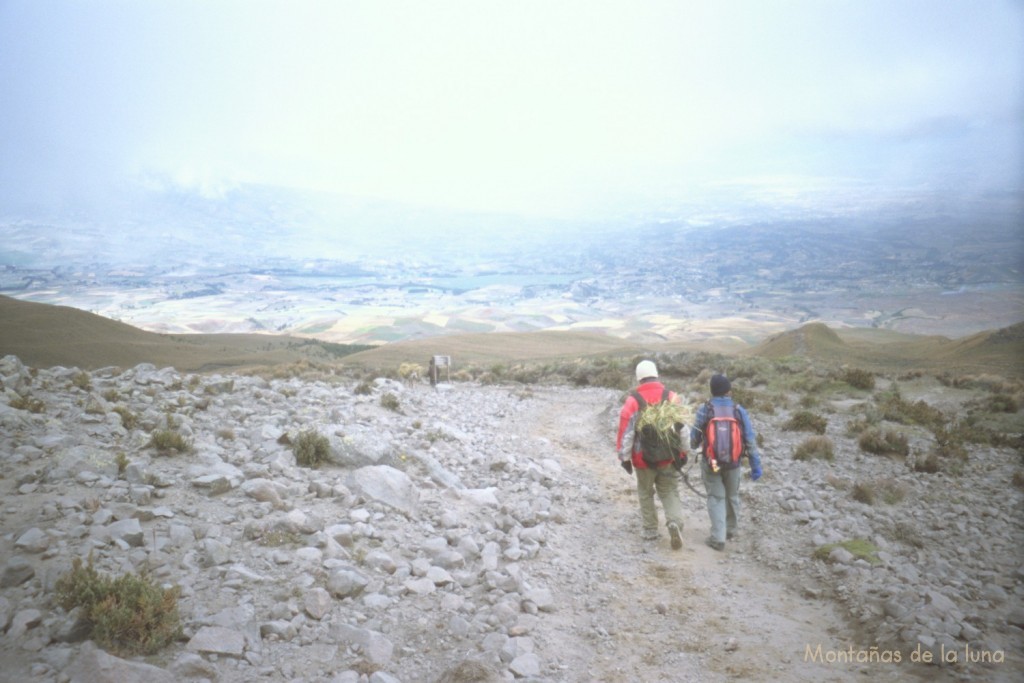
(997, 351)
(43, 335)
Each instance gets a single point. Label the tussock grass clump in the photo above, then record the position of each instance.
(311, 449)
(82, 381)
(127, 615)
(168, 440)
(129, 420)
(883, 442)
(887, 491)
(860, 548)
(815, 448)
(364, 388)
(32, 405)
(806, 421)
(906, 533)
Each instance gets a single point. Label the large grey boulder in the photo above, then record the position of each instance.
(385, 485)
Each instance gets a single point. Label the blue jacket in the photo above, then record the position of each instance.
(749, 435)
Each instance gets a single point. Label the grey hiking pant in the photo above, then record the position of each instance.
(723, 488)
(664, 480)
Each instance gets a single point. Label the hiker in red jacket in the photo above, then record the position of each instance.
(662, 476)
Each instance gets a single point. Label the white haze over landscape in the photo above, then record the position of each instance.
(565, 109)
(195, 133)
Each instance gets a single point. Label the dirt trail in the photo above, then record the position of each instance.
(635, 611)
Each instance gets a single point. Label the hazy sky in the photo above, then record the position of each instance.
(541, 107)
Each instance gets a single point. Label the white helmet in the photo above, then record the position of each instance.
(645, 369)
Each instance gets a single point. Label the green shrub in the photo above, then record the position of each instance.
(883, 442)
(859, 379)
(127, 615)
(806, 421)
(363, 389)
(390, 401)
(167, 440)
(895, 409)
(815, 448)
(311, 448)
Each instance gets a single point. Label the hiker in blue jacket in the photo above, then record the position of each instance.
(721, 475)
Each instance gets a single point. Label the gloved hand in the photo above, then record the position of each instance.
(627, 465)
(680, 462)
(755, 471)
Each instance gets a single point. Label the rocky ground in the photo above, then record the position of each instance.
(478, 533)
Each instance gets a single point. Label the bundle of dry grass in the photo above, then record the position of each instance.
(665, 417)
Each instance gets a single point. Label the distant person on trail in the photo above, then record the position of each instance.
(656, 469)
(724, 432)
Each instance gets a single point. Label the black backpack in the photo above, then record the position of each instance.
(656, 447)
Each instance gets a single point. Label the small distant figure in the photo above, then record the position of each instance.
(433, 372)
(654, 472)
(725, 433)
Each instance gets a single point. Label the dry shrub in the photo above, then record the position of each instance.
(1018, 479)
(895, 409)
(863, 493)
(32, 405)
(311, 448)
(127, 615)
(887, 491)
(806, 421)
(390, 401)
(815, 448)
(928, 464)
(128, 419)
(859, 379)
(883, 442)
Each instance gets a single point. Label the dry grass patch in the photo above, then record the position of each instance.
(815, 448)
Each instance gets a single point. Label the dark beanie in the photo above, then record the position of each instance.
(720, 385)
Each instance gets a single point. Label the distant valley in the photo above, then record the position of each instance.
(266, 263)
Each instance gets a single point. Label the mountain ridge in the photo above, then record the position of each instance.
(47, 335)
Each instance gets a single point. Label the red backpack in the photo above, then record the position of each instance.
(723, 438)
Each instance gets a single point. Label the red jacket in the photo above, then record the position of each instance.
(651, 392)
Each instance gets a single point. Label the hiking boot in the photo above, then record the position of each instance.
(649, 535)
(731, 535)
(712, 543)
(677, 538)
